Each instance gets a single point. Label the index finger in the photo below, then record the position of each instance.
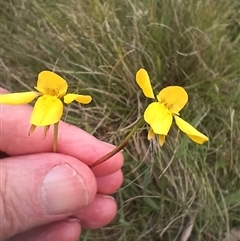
(71, 140)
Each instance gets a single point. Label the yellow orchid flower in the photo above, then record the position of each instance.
(159, 114)
(48, 109)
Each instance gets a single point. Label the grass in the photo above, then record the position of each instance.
(98, 46)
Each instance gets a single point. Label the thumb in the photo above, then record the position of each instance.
(42, 188)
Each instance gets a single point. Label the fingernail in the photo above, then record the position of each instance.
(72, 220)
(106, 197)
(63, 190)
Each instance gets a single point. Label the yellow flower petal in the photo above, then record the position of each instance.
(173, 97)
(51, 84)
(150, 134)
(143, 81)
(47, 110)
(18, 98)
(83, 99)
(158, 117)
(192, 133)
(161, 139)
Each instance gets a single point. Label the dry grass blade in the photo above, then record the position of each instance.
(234, 235)
(187, 230)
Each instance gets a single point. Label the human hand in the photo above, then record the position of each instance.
(51, 196)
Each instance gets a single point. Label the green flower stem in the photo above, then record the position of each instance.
(55, 137)
(139, 123)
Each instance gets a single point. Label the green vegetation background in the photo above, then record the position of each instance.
(98, 46)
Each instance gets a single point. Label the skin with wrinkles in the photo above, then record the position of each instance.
(30, 159)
